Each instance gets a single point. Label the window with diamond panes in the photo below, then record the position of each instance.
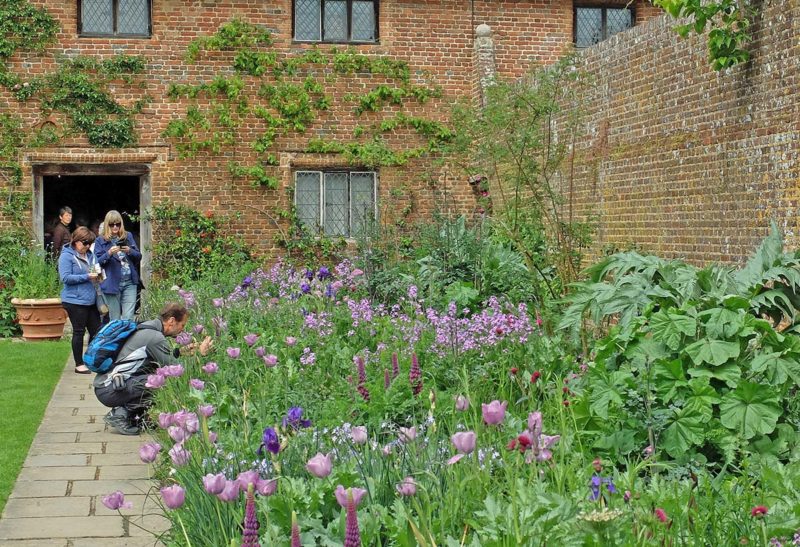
(595, 24)
(114, 17)
(342, 203)
(336, 20)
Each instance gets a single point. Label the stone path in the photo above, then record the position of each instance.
(73, 462)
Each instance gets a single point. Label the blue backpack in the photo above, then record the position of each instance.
(104, 347)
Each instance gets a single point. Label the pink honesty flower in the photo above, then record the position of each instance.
(164, 420)
(180, 456)
(359, 434)
(206, 410)
(246, 478)
(270, 360)
(230, 492)
(408, 433)
(214, 484)
(266, 487)
(291, 340)
(173, 496)
(320, 465)
(177, 433)
(464, 441)
(342, 494)
(199, 385)
(210, 368)
(407, 487)
(494, 412)
(148, 452)
(233, 353)
(250, 339)
(155, 381)
(462, 403)
(260, 351)
(116, 500)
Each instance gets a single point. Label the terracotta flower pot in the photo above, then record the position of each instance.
(40, 318)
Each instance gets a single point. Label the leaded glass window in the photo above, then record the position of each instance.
(340, 203)
(336, 20)
(114, 17)
(595, 24)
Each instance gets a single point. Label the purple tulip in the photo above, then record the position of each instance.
(116, 501)
(291, 340)
(246, 478)
(464, 441)
(250, 339)
(212, 437)
(165, 420)
(359, 434)
(341, 495)
(183, 339)
(180, 456)
(494, 412)
(206, 410)
(214, 484)
(270, 360)
(155, 381)
(408, 434)
(233, 353)
(266, 487)
(320, 465)
(270, 441)
(260, 351)
(173, 496)
(148, 452)
(462, 403)
(177, 433)
(218, 302)
(230, 492)
(210, 368)
(179, 418)
(192, 423)
(407, 487)
(198, 329)
(199, 385)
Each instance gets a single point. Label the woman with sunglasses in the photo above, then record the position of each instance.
(118, 254)
(78, 270)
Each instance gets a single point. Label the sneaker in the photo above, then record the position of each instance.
(119, 421)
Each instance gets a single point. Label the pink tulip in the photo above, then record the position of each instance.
(177, 433)
(266, 487)
(212, 437)
(408, 434)
(462, 403)
(165, 420)
(246, 478)
(199, 385)
(210, 368)
(180, 456)
(270, 360)
(149, 452)
(386, 450)
(206, 410)
(192, 423)
(341, 495)
(230, 492)
(250, 339)
(116, 500)
(464, 441)
(260, 351)
(173, 371)
(494, 412)
(155, 381)
(233, 353)
(359, 434)
(320, 465)
(173, 496)
(407, 487)
(214, 484)
(291, 340)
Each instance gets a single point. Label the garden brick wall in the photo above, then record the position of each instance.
(436, 38)
(684, 161)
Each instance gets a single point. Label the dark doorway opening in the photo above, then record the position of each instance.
(90, 198)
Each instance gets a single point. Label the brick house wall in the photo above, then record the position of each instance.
(436, 38)
(684, 161)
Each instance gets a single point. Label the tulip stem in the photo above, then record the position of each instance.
(185, 535)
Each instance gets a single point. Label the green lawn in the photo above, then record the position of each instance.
(29, 371)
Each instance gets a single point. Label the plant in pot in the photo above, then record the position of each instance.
(35, 295)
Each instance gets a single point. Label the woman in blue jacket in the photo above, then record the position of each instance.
(118, 254)
(78, 270)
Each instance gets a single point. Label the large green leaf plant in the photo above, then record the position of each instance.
(703, 364)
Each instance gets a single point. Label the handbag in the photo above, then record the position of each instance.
(102, 306)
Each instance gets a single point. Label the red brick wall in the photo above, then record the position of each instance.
(684, 161)
(435, 37)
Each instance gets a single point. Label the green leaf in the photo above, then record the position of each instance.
(713, 352)
(604, 392)
(751, 409)
(684, 431)
(777, 368)
(703, 397)
(729, 373)
(723, 323)
(670, 376)
(671, 327)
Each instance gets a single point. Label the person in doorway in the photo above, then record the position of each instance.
(79, 271)
(118, 255)
(61, 232)
(125, 388)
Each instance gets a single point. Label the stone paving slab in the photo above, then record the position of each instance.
(73, 462)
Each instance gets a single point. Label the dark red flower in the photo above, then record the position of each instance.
(514, 370)
(597, 463)
(535, 376)
(759, 511)
(565, 402)
(660, 514)
(524, 440)
(512, 444)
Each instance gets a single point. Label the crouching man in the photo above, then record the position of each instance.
(123, 387)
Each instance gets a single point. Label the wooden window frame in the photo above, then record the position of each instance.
(350, 172)
(322, 39)
(115, 34)
(603, 19)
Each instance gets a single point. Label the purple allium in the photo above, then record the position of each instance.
(395, 366)
(148, 452)
(415, 375)
(173, 496)
(250, 532)
(295, 532)
(116, 501)
(250, 339)
(294, 418)
(210, 368)
(233, 353)
(214, 484)
(199, 385)
(183, 339)
(352, 535)
(270, 441)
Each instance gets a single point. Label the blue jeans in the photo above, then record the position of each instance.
(122, 305)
